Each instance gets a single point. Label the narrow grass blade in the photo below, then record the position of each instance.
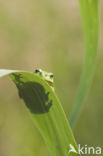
(45, 111)
(89, 11)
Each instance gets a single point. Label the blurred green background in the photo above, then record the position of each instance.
(48, 35)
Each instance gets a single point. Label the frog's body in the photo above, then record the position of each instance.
(48, 77)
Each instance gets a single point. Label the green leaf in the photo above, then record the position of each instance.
(89, 11)
(45, 111)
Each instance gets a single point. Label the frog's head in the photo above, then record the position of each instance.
(47, 76)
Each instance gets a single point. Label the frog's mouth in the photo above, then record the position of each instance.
(50, 83)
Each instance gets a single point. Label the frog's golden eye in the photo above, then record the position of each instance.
(37, 70)
(51, 75)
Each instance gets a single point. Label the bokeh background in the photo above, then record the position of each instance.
(46, 34)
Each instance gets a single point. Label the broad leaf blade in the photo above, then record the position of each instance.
(45, 110)
(89, 11)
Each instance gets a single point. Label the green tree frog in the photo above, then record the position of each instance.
(48, 77)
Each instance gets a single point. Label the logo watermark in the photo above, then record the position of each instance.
(85, 149)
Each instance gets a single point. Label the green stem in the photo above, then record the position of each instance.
(89, 11)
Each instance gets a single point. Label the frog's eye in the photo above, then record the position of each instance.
(37, 70)
(51, 75)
